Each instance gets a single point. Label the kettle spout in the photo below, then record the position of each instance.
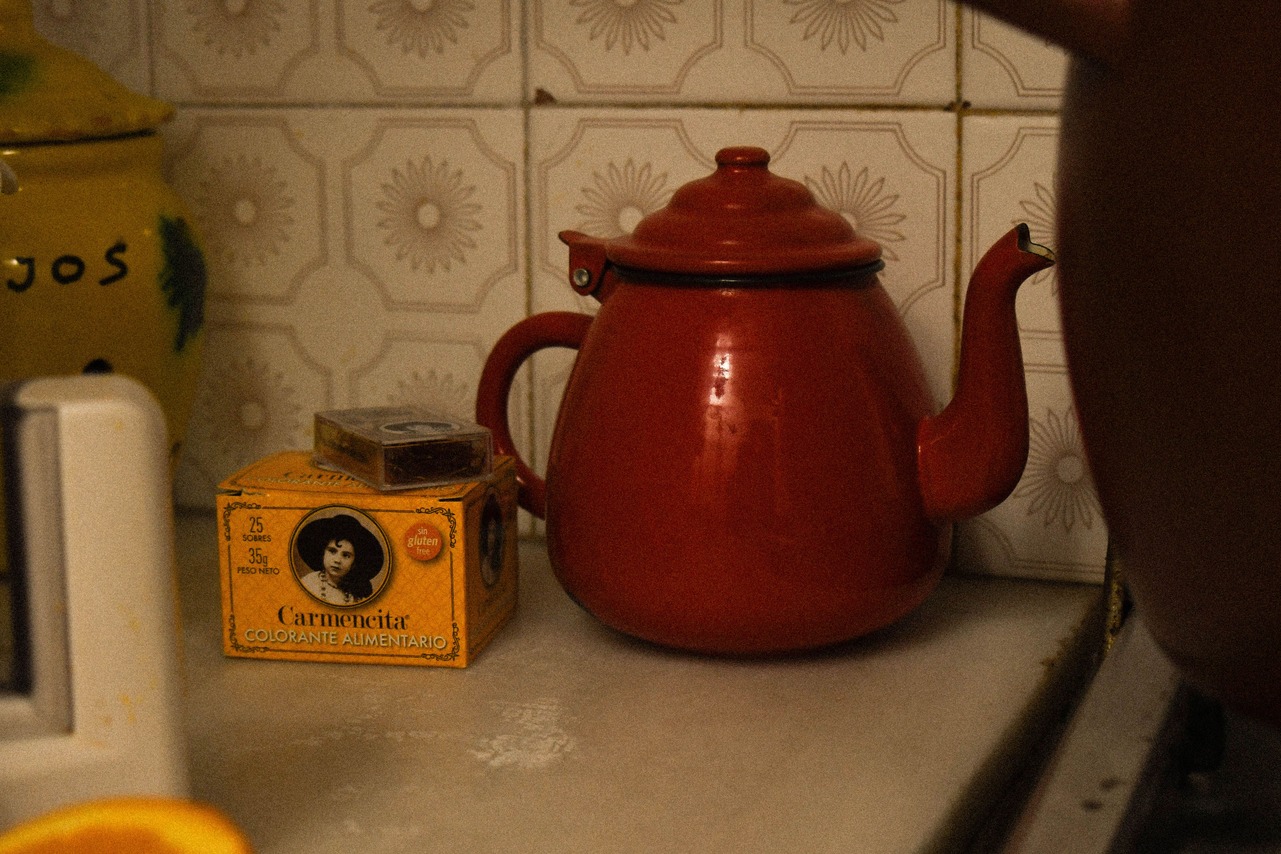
(971, 455)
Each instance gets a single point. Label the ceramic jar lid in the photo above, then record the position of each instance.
(49, 94)
(743, 220)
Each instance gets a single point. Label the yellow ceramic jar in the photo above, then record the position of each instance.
(100, 268)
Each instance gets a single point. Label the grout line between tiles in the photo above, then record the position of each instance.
(958, 192)
(958, 187)
(531, 432)
(149, 12)
(531, 105)
(959, 107)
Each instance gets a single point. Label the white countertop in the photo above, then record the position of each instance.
(564, 736)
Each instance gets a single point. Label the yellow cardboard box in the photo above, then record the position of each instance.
(419, 577)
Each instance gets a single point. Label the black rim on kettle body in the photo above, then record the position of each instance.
(852, 277)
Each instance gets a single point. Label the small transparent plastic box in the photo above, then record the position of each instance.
(402, 447)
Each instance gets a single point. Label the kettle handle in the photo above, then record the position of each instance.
(538, 332)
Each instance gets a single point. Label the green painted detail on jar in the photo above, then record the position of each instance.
(16, 72)
(183, 277)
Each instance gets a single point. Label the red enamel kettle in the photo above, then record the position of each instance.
(747, 458)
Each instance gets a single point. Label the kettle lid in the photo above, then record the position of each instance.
(743, 220)
(50, 94)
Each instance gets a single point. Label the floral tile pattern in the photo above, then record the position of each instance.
(345, 269)
(874, 50)
(444, 49)
(429, 240)
(256, 195)
(1052, 525)
(379, 184)
(746, 51)
(382, 51)
(1005, 68)
(600, 47)
(113, 34)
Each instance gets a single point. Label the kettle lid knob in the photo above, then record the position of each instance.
(742, 155)
(743, 220)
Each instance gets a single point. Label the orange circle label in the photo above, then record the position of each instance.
(423, 541)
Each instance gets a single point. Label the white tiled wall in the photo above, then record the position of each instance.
(380, 183)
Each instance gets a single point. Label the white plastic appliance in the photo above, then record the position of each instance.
(94, 708)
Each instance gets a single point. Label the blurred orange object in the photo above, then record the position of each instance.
(128, 826)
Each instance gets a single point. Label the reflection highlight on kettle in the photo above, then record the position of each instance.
(8, 179)
(722, 371)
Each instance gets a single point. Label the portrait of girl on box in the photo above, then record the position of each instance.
(344, 558)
